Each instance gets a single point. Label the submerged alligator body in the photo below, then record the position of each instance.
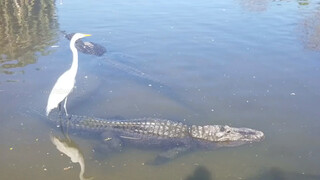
(175, 138)
(119, 61)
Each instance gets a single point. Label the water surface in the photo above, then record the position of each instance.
(243, 63)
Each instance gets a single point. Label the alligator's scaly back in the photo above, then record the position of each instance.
(145, 126)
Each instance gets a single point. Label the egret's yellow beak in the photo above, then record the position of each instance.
(87, 35)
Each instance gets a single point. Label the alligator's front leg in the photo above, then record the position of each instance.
(169, 155)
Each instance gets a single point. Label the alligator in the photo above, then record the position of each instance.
(120, 61)
(175, 138)
(86, 47)
(96, 49)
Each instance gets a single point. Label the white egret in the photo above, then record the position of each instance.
(66, 81)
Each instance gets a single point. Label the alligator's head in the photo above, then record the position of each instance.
(226, 135)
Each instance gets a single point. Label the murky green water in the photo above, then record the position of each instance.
(247, 63)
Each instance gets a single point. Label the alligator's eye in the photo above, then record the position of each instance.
(228, 131)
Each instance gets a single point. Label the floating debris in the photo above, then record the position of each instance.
(67, 168)
(107, 139)
(44, 167)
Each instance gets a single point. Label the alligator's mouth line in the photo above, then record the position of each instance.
(128, 137)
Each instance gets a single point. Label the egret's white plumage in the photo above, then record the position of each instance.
(66, 81)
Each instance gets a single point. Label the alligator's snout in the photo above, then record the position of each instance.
(251, 135)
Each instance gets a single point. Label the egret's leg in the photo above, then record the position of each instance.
(61, 125)
(65, 134)
(60, 121)
(59, 108)
(65, 106)
(67, 116)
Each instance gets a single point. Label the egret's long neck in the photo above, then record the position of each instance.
(74, 66)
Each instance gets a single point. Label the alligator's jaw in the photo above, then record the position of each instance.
(251, 135)
(240, 134)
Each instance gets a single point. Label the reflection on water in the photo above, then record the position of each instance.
(303, 2)
(262, 5)
(71, 149)
(26, 28)
(311, 31)
(254, 5)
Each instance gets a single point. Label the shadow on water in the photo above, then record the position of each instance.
(200, 173)
(275, 173)
(27, 28)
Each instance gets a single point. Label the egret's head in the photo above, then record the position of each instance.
(77, 36)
